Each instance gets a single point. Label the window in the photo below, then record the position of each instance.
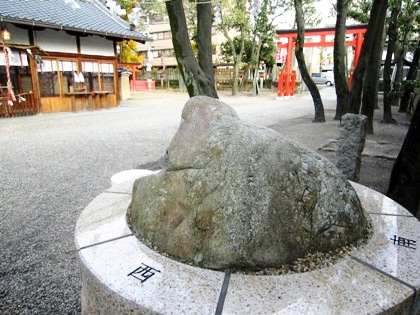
(162, 35)
(90, 75)
(167, 53)
(56, 77)
(67, 70)
(48, 77)
(60, 76)
(98, 76)
(19, 71)
(107, 77)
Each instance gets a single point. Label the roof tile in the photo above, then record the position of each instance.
(92, 17)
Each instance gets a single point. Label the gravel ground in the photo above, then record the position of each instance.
(52, 166)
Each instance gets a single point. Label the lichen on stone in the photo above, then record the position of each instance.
(239, 196)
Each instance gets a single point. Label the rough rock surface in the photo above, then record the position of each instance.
(351, 144)
(236, 195)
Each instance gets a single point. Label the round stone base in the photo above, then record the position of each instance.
(130, 174)
(120, 275)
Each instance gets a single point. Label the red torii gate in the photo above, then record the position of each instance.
(286, 82)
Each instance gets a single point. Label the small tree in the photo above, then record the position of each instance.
(129, 52)
(234, 17)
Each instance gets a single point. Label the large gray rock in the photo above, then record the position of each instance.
(236, 195)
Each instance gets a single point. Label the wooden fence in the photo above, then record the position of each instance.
(24, 105)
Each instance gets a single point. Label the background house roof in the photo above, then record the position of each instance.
(93, 17)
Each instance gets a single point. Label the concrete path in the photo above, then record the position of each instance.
(52, 166)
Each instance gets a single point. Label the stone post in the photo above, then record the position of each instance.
(351, 142)
(125, 85)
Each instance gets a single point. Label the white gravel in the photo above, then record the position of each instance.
(53, 165)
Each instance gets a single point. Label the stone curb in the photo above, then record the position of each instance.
(120, 275)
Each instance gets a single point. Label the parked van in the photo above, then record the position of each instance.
(321, 78)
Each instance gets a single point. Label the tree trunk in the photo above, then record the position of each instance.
(400, 70)
(255, 61)
(370, 85)
(392, 38)
(204, 45)
(196, 79)
(404, 185)
(319, 107)
(340, 65)
(411, 75)
(399, 57)
(237, 57)
(399, 75)
(243, 85)
(359, 72)
(231, 42)
(235, 78)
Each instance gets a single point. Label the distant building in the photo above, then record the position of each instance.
(162, 47)
(60, 58)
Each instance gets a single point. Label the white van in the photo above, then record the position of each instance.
(321, 78)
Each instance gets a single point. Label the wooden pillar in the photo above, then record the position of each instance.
(34, 76)
(116, 81)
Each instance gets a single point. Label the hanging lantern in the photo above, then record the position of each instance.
(5, 34)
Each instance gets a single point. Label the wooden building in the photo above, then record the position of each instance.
(59, 58)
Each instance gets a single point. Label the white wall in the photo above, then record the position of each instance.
(96, 45)
(60, 41)
(55, 41)
(18, 35)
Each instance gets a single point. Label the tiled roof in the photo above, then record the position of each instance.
(93, 17)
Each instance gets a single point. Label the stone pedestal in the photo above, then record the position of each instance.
(120, 275)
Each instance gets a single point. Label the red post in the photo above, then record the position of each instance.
(358, 48)
(293, 84)
(133, 77)
(288, 64)
(280, 90)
